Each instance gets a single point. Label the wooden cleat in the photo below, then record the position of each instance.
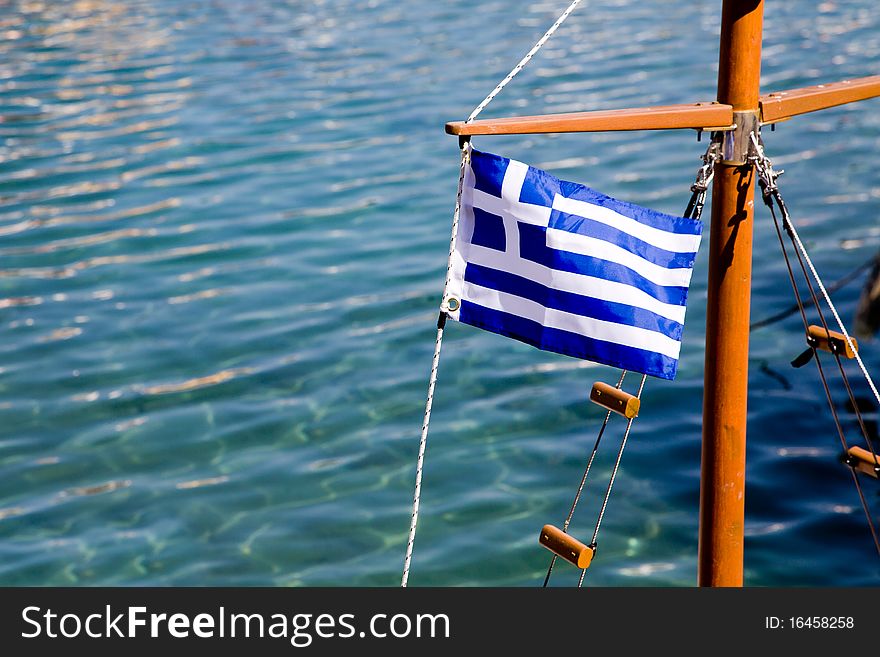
(819, 338)
(615, 399)
(565, 546)
(863, 461)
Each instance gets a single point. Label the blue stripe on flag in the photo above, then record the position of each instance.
(489, 230)
(645, 216)
(533, 247)
(540, 187)
(570, 302)
(567, 343)
(573, 223)
(489, 172)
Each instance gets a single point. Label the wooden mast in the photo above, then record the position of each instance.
(722, 486)
(738, 112)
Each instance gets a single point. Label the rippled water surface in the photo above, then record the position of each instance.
(223, 235)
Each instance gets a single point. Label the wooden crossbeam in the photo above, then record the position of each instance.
(696, 115)
(781, 105)
(776, 106)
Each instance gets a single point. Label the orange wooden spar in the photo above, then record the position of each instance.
(697, 115)
(863, 461)
(566, 546)
(722, 487)
(615, 399)
(831, 341)
(781, 105)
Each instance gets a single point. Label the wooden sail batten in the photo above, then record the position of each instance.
(697, 116)
(781, 105)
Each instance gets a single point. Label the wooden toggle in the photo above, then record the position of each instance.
(836, 343)
(565, 546)
(615, 399)
(863, 461)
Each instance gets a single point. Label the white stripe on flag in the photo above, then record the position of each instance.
(527, 213)
(514, 178)
(598, 329)
(589, 286)
(590, 246)
(680, 243)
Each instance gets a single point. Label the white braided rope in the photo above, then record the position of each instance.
(827, 296)
(432, 381)
(765, 169)
(525, 60)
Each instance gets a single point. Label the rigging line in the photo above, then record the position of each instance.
(852, 400)
(799, 304)
(694, 210)
(770, 192)
(797, 239)
(525, 60)
(767, 192)
(580, 489)
(786, 218)
(769, 189)
(828, 396)
(611, 480)
(815, 299)
(834, 287)
(435, 364)
(867, 510)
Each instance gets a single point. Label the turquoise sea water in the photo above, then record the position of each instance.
(223, 236)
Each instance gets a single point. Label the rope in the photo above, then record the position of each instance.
(693, 210)
(849, 340)
(867, 511)
(611, 481)
(774, 192)
(522, 63)
(800, 304)
(770, 192)
(580, 489)
(432, 381)
(800, 245)
(787, 219)
(834, 287)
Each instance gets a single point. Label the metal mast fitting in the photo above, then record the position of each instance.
(736, 143)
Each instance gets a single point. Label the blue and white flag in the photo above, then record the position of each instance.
(562, 267)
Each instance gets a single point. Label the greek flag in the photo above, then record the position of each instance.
(562, 267)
